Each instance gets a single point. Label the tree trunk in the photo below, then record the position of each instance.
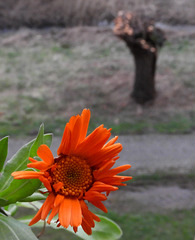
(144, 82)
(144, 40)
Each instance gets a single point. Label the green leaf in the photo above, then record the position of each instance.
(19, 161)
(13, 190)
(35, 206)
(38, 141)
(47, 139)
(16, 163)
(11, 209)
(3, 151)
(3, 202)
(19, 189)
(34, 197)
(106, 229)
(41, 139)
(14, 230)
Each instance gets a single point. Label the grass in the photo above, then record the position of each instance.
(48, 81)
(175, 225)
(25, 126)
(172, 125)
(130, 128)
(179, 125)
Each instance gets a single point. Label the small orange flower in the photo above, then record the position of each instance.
(81, 172)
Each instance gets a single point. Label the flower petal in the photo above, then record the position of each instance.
(111, 172)
(37, 217)
(65, 143)
(40, 165)
(87, 214)
(76, 216)
(72, 122)
(119, 169)
(46, 183)
(97, 173)
(53, 213)
(95, 217)
(26, 174)
(58, 186)
(99, 205)
(58, 200)
(32, 159)
(107, 153)
(102, 187)
(116, 180)
(45, 154)
(75, 134)
(111, 142)
(93, 143)
(85, 117)
(86, 227)
(47, 205)
(65, 212)
(94, 195)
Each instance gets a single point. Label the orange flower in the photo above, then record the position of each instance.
(81, 172)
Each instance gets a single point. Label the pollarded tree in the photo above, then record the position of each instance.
(144, 40)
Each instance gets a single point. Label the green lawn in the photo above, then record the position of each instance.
(175, 225)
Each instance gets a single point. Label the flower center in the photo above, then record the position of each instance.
(74, 173)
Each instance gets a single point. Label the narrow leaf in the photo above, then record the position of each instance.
(47, 139)
(3, 151)
(14, 230)
(38, 141)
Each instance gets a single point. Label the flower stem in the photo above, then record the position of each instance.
(42, 231)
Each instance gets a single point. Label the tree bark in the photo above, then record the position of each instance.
(144, 80)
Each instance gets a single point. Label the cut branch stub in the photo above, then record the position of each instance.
(143, 39)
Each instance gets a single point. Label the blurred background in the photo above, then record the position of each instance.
(58, 57)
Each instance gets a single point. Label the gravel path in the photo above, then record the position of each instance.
(152, 199)
(148, 154)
